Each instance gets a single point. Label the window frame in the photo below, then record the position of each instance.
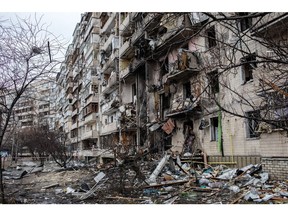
(211, 40)
(252, 124)
(214, 129)
(244, 23)
(248, 65)
(213, 80)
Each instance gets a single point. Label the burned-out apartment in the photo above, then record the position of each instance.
(205, 84)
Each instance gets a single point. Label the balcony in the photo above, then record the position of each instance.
(184, 108)
(124, 73)
(172, 39)
(75, 99)
(109, 128)
(126, 50)
(67, 114)
(110, 107)
(91, 118)
(92, 134)
(136, 36)
(149, 22)
(74, 126)
(75, 112)
(107, 43)
(110, 64)
(271, 24)
(69, 75)
(112, 83)
(92, 98)
(93, 23)
(126, 26)
(74, 140)
(109, 25)
(90, 48)
(69, 96)
(75, 72)
(184, 67)
(69, 86)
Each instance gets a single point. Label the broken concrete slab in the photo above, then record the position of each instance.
(228, 174)
(99, 176)
(251, 195)
(264, 177)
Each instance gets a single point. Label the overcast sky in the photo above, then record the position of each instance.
(61, 23)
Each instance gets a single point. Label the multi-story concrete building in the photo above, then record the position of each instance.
(78, 86)
(173, 76)
(109, 69)
(35, 107)
(176, 81)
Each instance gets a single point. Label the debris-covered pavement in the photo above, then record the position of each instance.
(159, 179)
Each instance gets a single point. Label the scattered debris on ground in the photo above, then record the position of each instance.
(159, 179)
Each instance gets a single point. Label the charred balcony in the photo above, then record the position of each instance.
(184, 67)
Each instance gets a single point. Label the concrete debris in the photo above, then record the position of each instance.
(155, 179)
(234, 188)
(69, 190)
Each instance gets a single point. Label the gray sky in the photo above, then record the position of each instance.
(60, 23)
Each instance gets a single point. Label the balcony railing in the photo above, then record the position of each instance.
(91, 118)
(126, 50)
(111, 84)
(124, 73)
(110, 65)
(185, 65)
(109, 128)
(110, 23)
(89, 135)
(125, 26)
(75, 112)
(74, 126)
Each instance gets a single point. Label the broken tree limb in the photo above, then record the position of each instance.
(153, 176)
(166, 183)
(126, 198)
(201, 189)
(50, 186)
(187, 173)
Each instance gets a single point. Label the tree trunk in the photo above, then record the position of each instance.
(1, 183)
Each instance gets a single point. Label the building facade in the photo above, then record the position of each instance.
(185, 82)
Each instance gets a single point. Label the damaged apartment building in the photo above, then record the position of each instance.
(78, 89)
(191, 83)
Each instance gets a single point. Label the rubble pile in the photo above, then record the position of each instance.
(159, 179)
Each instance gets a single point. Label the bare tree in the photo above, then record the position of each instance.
(28, 53)
(42, 142)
